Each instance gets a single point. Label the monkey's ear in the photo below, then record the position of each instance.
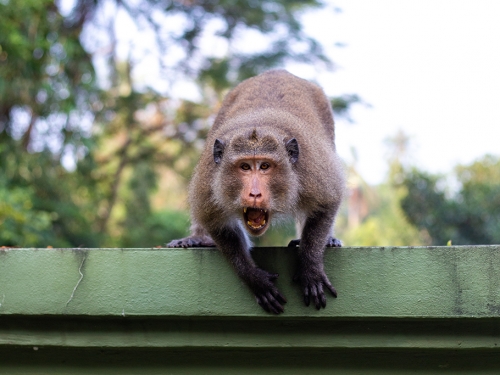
(218, 151)
(292, 147)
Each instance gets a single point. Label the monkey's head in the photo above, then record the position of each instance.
(254, 176)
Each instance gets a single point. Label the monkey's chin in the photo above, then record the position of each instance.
(256, 220)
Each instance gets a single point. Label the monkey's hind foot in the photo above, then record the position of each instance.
(331, 242)
(192, 241)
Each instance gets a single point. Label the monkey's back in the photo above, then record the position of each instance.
(279, 90)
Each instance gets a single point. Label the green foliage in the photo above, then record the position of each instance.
(44, 73)
(342, 104)
(372, 215)
(20, 224)
(427, 207)
(159, 228)
(59, 200)
(471, 215)
(277, 20)
(384, 225)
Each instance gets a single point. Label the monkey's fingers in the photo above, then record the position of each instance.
(333, 242)
(273, 276)
(262, 301)
(315, 297)
(307, 300)
(279, 297)
(330, 286)
(175, 243)
(314, 291)
(321, 297)
(269, 303)
(276, 305)
(274, 291)
(318, 296)
(192, 241)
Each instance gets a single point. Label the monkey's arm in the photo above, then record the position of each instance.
(310, 273)
(233, 244)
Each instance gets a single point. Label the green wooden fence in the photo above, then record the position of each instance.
(429, 310)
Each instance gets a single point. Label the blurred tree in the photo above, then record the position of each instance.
(21, 225)
(469, 215)
(80, 156)
(342, 104)
(46, 78)
(47, 92)
(142, 226)
(385, 224)
(372, 215)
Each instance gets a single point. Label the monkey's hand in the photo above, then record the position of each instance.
(313, 281)
(267, 295)
(192, 241)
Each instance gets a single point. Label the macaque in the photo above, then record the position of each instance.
(270, 153)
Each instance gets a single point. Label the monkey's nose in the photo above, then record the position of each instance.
(255, 194)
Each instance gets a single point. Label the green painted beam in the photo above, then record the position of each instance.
(209, 333)
(425, 310)
(432, 282)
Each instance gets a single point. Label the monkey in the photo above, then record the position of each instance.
(269, 154)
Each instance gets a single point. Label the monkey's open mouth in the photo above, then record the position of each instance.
(256, 219)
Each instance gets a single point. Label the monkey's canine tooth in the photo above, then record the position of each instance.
(244, 210)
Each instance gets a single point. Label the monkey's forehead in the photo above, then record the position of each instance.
(255, 144)
(235, 158)
(262, 121)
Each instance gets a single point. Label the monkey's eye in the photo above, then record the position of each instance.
(245, 166)
(264, 166)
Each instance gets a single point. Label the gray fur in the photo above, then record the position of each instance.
(262, 116)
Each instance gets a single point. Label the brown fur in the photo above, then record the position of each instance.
(256, 120)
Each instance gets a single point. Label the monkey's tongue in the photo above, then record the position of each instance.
(255, 217)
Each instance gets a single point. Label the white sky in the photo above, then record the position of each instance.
(429, 68)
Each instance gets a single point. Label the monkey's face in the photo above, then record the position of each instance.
(255, 174)
(255, 183)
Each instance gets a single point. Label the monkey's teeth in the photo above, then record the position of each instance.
(251, 225)
(256, 218)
